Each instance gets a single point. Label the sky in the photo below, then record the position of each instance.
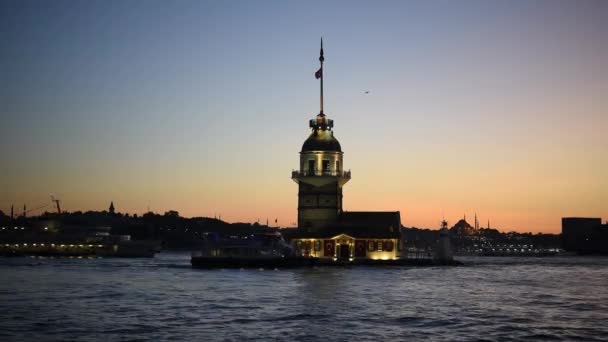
(498, 108)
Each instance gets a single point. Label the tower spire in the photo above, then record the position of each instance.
(319, 74)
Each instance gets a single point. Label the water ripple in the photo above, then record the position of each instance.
(489, 299)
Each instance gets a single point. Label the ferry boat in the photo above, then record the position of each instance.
(257, 250)
(74, 241)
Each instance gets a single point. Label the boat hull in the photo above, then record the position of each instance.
(235, 262)
(293, 262)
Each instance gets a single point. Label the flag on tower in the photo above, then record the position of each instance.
(319, 73)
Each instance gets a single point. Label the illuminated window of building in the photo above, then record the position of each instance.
(317, 245)
(325, 166)
(370, 246)
(389, 246)
(379, 246)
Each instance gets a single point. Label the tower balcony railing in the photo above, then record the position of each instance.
(321, 123)
(312, 173)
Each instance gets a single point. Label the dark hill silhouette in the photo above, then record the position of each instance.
(178, 232)
(174, 231)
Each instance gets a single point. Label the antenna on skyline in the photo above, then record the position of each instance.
(55, 200)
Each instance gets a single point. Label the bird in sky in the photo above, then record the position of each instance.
(367, 92)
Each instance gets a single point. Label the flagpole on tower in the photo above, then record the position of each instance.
(319, 73)
(321, 59)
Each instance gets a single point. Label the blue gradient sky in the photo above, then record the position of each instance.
(498, 108)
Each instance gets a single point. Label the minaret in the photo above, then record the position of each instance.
(24, 211)
(111, 209)
(320, 177)
(12, 212)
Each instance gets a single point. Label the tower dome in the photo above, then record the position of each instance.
(322, 137)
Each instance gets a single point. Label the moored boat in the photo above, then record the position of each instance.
(258, 250)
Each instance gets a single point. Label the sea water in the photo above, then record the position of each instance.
(491, 299)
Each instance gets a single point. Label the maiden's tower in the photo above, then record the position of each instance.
(325, 229)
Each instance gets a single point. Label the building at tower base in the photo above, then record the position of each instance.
(355, 235)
